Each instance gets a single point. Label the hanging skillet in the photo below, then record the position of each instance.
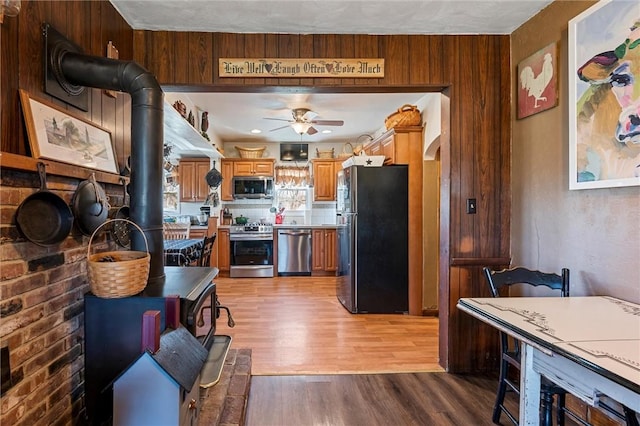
(43, 217)
(90, 205)
(213, 177)
(120, 227)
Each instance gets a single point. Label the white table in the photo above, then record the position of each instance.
(588, 345)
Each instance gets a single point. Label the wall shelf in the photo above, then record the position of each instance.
(185, 139)
(30, 164)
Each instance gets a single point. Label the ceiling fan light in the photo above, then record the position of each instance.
(300, 128)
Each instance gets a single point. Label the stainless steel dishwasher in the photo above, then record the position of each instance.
(294, 252)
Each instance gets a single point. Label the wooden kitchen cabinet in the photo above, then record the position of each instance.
(224, 257)
(324, 252)
(324, 179)
(262, 167)
(397, 145)
(193, 185)
(226, 187)
(231, 167)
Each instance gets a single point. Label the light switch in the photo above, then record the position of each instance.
(471, 206)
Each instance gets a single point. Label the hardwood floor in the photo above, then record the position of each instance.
(295, 325)
(314, 363)
(371, 400)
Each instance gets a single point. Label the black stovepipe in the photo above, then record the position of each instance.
(147, 101)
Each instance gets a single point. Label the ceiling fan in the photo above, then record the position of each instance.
(304, 120)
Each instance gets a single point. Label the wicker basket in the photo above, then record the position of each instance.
(324, 153)
(406, 115)
(125, 273)
(347, 151)
(250, 152)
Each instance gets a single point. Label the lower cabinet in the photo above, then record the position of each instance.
(224, 258)
(324, 252)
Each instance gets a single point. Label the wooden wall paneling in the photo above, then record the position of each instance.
(163, 62)
(326, 46)
(306, 51)
(254, 47)
(418, 59)
(486, 119)
(184, 60)
(271, 51)
(504, 138)
(229, 46)
(366, 46)
(467, 73)
(435, 57)
(11, 117)
(347, 45)
(288, 47)
(396, 55)
(140, 51)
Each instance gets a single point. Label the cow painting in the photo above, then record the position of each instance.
(608, 112)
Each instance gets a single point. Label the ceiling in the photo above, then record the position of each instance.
(331, 16)
(233, 115)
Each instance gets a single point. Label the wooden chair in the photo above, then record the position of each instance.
(176, 231)
(207, 248)
(510, 347)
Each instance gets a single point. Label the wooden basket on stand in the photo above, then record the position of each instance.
(114, 274)
(250, 152)
(406, 115)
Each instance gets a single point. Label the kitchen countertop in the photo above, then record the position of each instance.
(295, 226)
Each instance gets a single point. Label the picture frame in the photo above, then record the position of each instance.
(604, 139)
(538, 82)
(56, 134)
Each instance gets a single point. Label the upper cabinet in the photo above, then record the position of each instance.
(231, 167)
(324, 178)
(193, 183)
(261, 167)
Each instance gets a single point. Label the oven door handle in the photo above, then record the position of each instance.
(195, 310)
(254, 237)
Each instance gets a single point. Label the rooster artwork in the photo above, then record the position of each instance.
(537, 89)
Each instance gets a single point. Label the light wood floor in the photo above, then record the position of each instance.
(295, 325)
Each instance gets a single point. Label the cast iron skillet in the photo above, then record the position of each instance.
(43, 217)
(90, 205)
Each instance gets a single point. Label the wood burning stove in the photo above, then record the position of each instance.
(113, 329)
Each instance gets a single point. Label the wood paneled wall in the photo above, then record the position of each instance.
(88, 24)
(472, 70)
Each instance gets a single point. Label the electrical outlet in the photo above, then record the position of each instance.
(471, 206)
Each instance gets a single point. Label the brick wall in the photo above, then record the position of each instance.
(41, 312)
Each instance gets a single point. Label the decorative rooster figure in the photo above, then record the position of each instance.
(536, 85)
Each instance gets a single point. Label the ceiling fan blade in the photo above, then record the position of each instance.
(311, 131)
(279, 128)
(328, 122)
(276, 119)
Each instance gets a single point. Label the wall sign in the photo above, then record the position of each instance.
(320, 67)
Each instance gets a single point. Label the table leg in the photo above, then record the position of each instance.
(529, 388)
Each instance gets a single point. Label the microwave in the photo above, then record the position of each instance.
(252, 187)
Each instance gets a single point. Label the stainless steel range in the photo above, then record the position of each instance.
(251, 250)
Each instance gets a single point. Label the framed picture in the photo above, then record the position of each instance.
(57, 135)
(604, 105)
(538, 82)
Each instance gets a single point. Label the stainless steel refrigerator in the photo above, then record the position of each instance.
(372, 206)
